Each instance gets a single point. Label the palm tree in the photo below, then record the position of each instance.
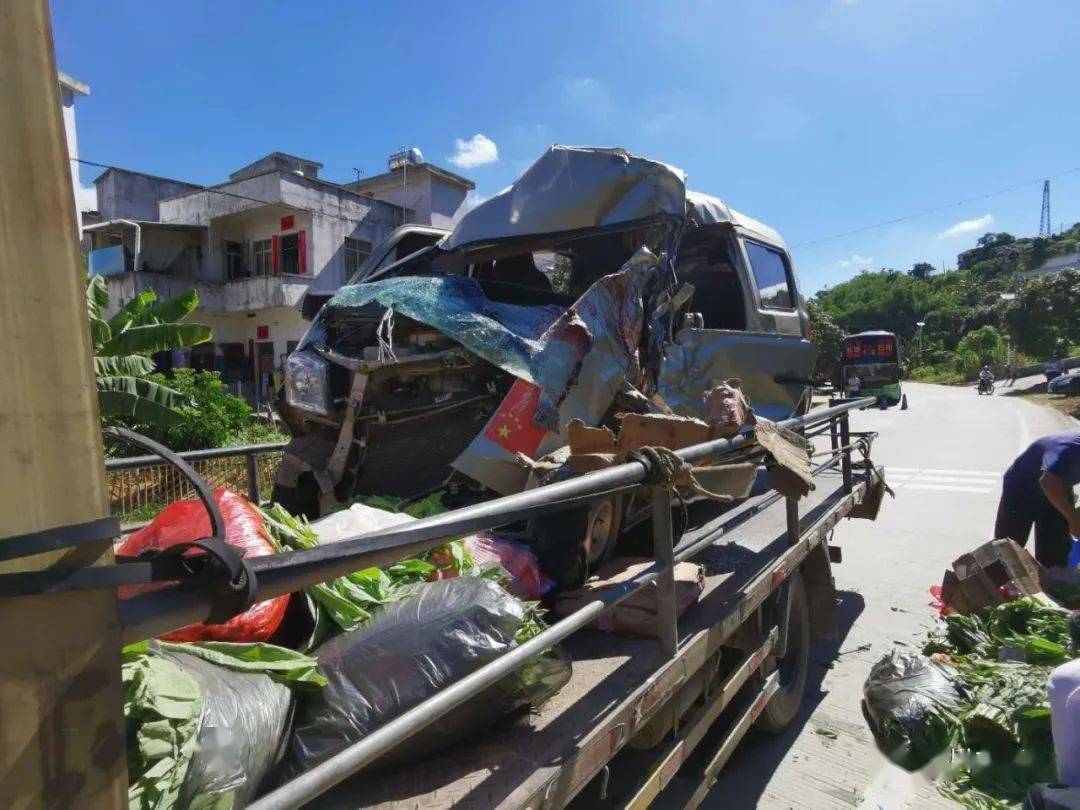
(123, 345)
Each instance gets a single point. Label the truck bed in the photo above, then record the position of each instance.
(544, 758)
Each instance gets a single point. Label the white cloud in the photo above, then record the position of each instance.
(856, 262)
(479, 150)
(587, 93)
(849, 2)
(979, 225)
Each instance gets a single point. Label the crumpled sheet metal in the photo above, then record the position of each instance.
(573, 189)
(698, 359)
(506, 335)
(585, 357)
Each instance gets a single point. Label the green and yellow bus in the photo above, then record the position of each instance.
(872, 358)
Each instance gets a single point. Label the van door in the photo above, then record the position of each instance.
(748, 325)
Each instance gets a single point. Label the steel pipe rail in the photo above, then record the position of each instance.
(159, 612)
(339, 767)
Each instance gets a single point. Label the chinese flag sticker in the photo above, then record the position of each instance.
(512, 426)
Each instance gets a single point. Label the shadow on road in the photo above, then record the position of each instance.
(752, 765)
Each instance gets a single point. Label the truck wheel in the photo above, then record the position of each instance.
(570, 545)
(781, 710)
(303, 499)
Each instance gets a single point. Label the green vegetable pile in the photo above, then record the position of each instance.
(999, 736)
(163, 708)
(349, 601)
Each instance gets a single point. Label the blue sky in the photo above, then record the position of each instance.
(817, 116)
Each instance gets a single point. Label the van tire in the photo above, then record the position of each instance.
(571, 545)
(793, 667)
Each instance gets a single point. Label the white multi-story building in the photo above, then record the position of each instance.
(70, 90)
(252, 246)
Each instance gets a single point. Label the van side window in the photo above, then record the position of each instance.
(772, 276)
(707, 261)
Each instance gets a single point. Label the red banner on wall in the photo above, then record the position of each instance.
(288, 222)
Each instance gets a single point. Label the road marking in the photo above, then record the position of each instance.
(987, 473)
(948, 488)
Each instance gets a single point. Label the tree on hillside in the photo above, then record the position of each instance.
(995, 239)
(1044, 319)
(122, 347)
(921, 270)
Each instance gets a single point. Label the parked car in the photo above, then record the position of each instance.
(1065, 384)
(595, 284)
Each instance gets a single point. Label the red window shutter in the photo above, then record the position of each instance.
(301, 245)
(274, 255)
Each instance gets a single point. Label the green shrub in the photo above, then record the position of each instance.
(211, 416)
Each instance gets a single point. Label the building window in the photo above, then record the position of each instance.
(356, 253)
(263, 258)
(772, 276)
(290, 254)
(234, 260)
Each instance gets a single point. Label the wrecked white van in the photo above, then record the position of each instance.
(596, 284)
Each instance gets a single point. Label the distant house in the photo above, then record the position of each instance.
(252, 246)
(1056, 264)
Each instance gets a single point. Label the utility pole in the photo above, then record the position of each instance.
(61, 695)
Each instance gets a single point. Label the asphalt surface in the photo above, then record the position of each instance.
(944, 457)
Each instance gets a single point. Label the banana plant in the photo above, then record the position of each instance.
(123, 345)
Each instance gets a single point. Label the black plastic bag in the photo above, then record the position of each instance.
(407, 653)
(911, 705)
(243, 729)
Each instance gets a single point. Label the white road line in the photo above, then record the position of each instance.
(1025, 434)
(941, 479)
(981, 473)
(949, 488)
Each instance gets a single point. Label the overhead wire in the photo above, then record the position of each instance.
(935, 209)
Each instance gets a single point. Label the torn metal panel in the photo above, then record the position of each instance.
(571, 189)
(772, 369)
(582, 361)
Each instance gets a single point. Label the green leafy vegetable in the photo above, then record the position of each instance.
(1001, 737)
(163, 708)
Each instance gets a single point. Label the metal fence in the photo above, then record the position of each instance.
(141, 486)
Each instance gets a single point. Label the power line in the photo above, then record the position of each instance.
(934, 210)
(212, 190)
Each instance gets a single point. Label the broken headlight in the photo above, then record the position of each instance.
(307, 382)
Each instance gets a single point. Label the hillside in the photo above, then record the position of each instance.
(968, 322)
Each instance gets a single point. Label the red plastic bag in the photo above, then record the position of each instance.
(186, 521)
(527, 580)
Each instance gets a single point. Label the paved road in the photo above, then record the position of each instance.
(944, 457)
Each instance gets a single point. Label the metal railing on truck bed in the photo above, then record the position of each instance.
(164, 610)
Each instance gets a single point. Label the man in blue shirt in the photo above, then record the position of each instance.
(1038, 489)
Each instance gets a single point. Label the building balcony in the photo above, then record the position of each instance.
(240, 295)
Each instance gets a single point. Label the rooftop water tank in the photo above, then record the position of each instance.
(410, 156)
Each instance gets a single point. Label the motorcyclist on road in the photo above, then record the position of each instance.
(986, 375)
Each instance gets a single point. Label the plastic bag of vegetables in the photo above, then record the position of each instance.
(206, 721)
(408, 652)
(911, 703)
